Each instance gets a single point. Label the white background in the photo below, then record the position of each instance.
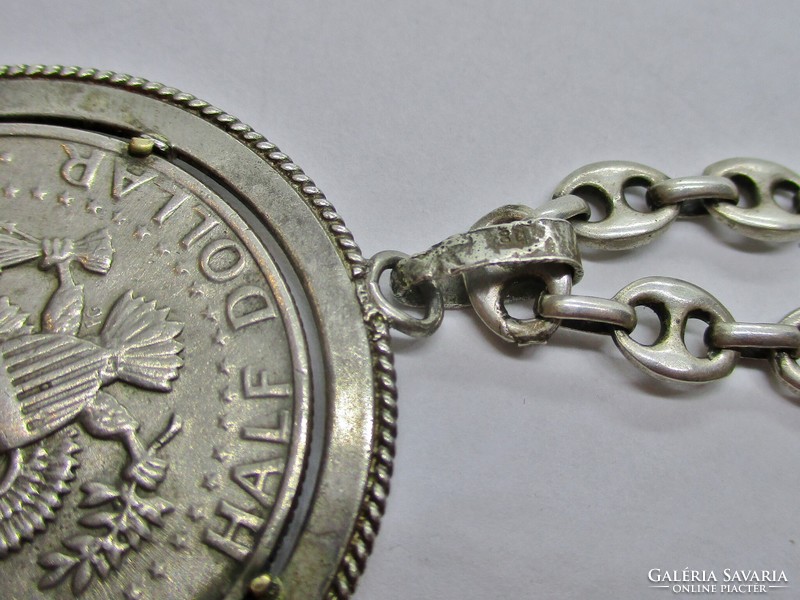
(550, 472)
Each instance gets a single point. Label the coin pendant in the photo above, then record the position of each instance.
(196, 394)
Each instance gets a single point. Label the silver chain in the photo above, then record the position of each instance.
(515, 243)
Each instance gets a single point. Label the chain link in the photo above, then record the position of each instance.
(784, 364)
(765, 220)
(692, 193)
(750, 338)
(587, 313)
(675, 302)
(452, 272)
(623, 227)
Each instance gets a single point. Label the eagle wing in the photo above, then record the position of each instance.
(31, 490)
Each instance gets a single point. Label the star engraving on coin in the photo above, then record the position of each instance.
(93, 206)
(220, 339)
(221, 455)
(224, 367)
(157, 570)
(211, 482)
(224, 422)
(209, 315)
(195, 291)
(195, 514)
(179, 269)
(117, 218)
(133, 592)
(228, 396)
(178, 540)
(141, 233)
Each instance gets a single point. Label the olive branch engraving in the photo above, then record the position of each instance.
(127, 519)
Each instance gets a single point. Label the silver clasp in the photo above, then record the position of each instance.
(512, 244)
(558, 267)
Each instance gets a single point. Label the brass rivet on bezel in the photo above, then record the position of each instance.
(267, 587)
(141, 146)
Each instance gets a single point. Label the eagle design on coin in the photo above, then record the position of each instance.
(52, 378)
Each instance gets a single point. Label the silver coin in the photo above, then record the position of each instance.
(156, 297)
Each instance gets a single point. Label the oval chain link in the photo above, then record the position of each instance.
(717, 192)
(623, 227)
(765, 220)
(675, 302)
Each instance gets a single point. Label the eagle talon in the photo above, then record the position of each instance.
(148, 472)
(57, 251)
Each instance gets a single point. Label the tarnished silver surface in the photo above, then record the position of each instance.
(506, 246)
(489, 288)
(509, 247)
(623, 227)
(84, 390)
(539, 240)
(784, 363)
(587, 312)
(563, 207)
(155, 308)
(690, 190)
(770, 336)
(138, 308)
(398, 319)
(674, 301)
(765, 219)
(491, 279)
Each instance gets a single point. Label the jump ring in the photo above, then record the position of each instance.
(399, 319)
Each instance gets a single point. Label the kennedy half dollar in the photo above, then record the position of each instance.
(196, 395)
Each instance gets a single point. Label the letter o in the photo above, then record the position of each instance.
(216, 247)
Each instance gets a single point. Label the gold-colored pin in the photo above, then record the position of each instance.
(267, 587)
(141, 146)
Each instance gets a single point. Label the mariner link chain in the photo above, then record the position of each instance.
(517, 243)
